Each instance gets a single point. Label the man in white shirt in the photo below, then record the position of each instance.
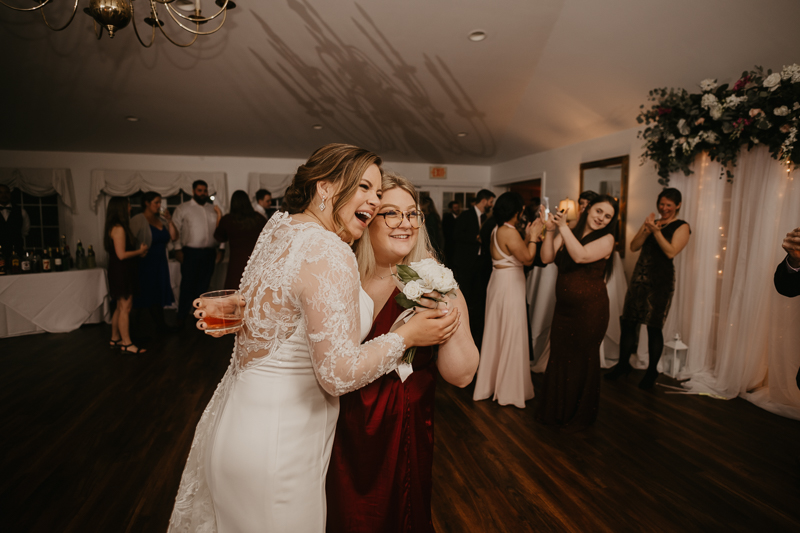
(263, 203)
(14, 224)
(196, 250)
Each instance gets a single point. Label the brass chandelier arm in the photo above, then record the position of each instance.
(190, 43)
(40, 6)
(74, 10)
(189, 17)
(136, 30)
(170, 10)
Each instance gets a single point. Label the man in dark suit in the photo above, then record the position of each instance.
(466, 264)
(449, 229)
(263, 203)
(787, 275)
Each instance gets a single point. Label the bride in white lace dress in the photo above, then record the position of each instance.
(262, 446)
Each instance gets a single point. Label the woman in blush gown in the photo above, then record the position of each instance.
(504, 372)
(262, 446)
(379, 478)
(570, 393)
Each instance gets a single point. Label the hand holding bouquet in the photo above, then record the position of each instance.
(423, 283)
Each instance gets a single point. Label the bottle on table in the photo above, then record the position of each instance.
(66, 257)
(25, 262)
(36, 261)
(91, 260)
(58, 263)
(16, 268)
(80, 257)
(47, 262)
(2, 263)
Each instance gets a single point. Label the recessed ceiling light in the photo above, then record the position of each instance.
(317, 126)
(132, 119)
(462, 133)
(477, 36)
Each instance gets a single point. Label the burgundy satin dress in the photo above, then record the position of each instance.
(379, 479)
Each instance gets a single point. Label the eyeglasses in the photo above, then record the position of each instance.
(393, 219)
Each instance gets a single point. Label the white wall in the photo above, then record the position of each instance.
(86, 226)
(561, 171)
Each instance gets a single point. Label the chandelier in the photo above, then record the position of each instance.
(113, 15)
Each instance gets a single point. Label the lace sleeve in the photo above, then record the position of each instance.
(329, 300)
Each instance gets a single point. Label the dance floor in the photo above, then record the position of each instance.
(95, 441)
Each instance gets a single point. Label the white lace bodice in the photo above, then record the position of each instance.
(302, 280)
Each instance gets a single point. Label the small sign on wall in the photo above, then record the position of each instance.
(438, 173)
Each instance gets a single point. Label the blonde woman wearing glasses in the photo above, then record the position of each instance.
(379, 479)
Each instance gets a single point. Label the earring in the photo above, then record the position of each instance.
(322, 205)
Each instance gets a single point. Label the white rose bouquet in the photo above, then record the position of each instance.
(420, 278)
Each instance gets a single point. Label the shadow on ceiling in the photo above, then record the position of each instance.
(385, 109)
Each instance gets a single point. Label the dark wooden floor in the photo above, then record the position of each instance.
(94, 441)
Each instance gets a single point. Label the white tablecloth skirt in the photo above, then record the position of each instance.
(55, 302)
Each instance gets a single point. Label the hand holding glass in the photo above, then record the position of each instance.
(219, 312)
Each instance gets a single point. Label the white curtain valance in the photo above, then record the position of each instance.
(128, 182)
(274, 183)
(42, 182)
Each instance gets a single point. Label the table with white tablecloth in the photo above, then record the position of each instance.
(53, 302)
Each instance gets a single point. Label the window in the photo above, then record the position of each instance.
(171, 201)
(43, 213)
(462, 198)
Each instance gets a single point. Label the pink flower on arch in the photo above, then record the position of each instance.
(739, 85)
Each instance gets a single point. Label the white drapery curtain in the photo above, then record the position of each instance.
(274, 183)
(743, 337)
(128, 182)
(42, 182)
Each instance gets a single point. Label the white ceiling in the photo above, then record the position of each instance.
(398, 77)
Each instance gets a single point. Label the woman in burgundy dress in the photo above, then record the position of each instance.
(123, 270)
(379, 479)
(570, 394)
(241, 227)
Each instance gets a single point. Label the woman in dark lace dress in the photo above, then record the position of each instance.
(652, 285)
(570, 393)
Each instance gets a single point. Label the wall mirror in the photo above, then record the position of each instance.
(609, 176)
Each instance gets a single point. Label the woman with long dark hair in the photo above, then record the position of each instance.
(570, 393)
(652, 285)
(241, 227)
(155, 229)
(433, 226)
(504, 373)
(123, 270)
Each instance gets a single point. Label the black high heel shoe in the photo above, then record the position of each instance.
(618, 371)
(649, 379)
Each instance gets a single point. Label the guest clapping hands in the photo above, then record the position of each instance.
(652, 284)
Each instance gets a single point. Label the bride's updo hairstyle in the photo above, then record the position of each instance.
(365, 256)
(341, 164)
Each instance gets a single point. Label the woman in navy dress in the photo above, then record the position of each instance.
(155, 229)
